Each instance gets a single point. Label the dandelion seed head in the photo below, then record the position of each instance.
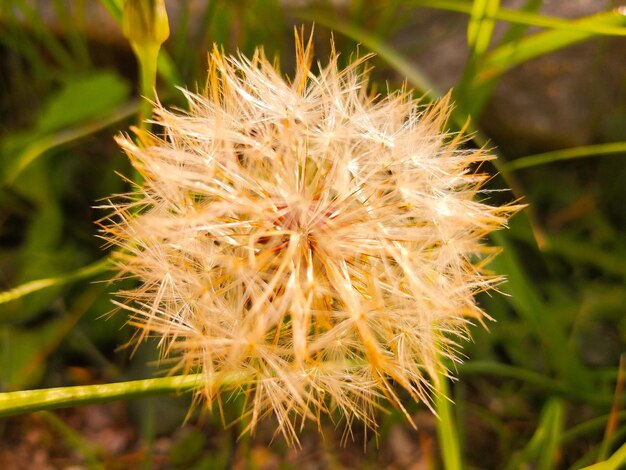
(304, 241)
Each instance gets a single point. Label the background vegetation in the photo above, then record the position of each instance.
(543, 388)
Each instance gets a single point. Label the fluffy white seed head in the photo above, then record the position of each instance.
(306, 242)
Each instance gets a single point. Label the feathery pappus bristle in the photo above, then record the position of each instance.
(304, 241)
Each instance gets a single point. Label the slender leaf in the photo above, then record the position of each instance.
(28, 401)
(510, 55)
(533, 19)
(588, 427)
(517, 30)
(611, 426)
(46, 38)
(85, 98)
(114, 7)
(446, 426)
(481, 24)
(615, 462)
(566, 154)
(531, 377)
(528, 303)
(543, 445)
(86, 272)
(64, 137)
(582, 252)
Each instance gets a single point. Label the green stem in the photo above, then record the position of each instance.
(85, 272)
(147, 57)
(446, 427)
(533, 378)
(566, 154)
(588, 427)
(14, 403)
(64, 137)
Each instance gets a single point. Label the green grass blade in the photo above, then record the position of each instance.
(480, 78)
(388, 18)
(46, 38)
(615, 462)
(588, 427)
(28, 401)
(554, 429)
(74, 19)
(569, 248)
(510, 55)
(447, 5)
(543, 445)
(479, 32)
(612, 424)
(114, 7)
(583, 25)
(86, 272)
(582, 252)
(566, 154)
(447, 432)
(517, 30)
(528, 304)
(64, 137)
(481, 24)
(533, 19)
(533, 378)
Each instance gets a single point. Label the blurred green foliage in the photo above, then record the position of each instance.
(536, 391)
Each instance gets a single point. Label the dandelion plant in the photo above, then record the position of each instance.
(317, 242)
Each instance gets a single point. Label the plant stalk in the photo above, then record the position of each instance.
(29, 401)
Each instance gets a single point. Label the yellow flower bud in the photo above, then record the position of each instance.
(145, 23)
